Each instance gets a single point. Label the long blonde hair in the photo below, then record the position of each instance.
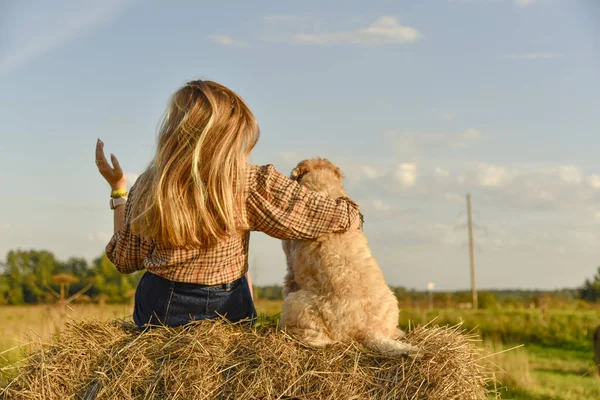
(193, 193)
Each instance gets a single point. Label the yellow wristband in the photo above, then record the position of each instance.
(116, 194)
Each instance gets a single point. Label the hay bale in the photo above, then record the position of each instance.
(217, 360)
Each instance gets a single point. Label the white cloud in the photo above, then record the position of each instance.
(519, 187)
(494, 175)
(470, 135)
(594, 181)
(380, 205)
(358, 172)
(227, 41)
(534, 56)
(370, 172)
(448, 116)
(525, 187)
(406, 174)
(570, 174)
(414, 142)
(34, 37)
(352, 169)
(524, 3)
(441, 173)
(530, 215)
(385, 30)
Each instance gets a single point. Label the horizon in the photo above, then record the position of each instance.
(418, 103)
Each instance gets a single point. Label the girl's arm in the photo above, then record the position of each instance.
(115, 177)
(126, 250)
(284, 209)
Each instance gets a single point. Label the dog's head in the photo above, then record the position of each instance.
(320, 175)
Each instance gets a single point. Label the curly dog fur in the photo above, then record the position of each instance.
(334, 289)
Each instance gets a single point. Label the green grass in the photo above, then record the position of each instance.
(568, 361)
(556, 361)
(548, 373)
(567, 329)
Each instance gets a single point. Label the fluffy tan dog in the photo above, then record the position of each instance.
(334, 290)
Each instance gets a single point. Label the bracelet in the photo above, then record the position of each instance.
(116, 194)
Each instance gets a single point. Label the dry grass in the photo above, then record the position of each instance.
(23, 327)
(512, 364)
(217, 360)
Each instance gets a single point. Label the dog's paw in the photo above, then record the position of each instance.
(390, 347)
(408, 349)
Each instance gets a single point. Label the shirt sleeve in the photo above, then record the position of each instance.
(127, 250)
(284, 209)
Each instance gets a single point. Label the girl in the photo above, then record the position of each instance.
(188, 217)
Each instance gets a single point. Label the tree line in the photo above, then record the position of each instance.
(37, 276)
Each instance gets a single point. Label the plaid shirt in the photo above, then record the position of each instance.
(275, 204)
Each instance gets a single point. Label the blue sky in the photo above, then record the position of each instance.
(419, 102)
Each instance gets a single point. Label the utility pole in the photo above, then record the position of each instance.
(471, 252)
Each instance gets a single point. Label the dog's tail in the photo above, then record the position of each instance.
(389, 346)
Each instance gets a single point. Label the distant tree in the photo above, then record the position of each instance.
(487, 300)
(590, 291)
(4, 288)
(110, 282)
(36, 276)
(75, 266)
(28, 272)
(79, 268)
(272, 292)
(463, 297)
(401, 293)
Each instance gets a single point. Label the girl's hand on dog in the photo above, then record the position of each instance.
(355, 224)
(113, 174)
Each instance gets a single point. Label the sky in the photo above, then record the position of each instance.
(419, 103)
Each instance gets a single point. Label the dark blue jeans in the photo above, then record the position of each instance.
(160, 301)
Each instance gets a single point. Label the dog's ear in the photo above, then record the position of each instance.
(302, 168)
(315, 163)
(326, 164)
(337, 171)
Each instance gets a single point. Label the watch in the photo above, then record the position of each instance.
(120, 201)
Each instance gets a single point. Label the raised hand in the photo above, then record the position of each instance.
(113, 174)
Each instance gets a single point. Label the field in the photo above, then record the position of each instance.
(554, 359)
